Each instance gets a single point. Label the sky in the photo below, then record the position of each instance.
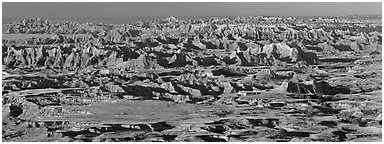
(21, 10)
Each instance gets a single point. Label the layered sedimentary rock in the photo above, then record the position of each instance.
(221, 79)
